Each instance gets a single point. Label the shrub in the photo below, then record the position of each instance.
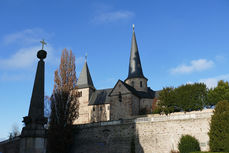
(143, 111)
(174, 151)
(219, 128)
(188, 144)
(207, 152)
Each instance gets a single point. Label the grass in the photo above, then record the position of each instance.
(208, 152)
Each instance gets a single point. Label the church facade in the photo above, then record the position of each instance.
(128, 98)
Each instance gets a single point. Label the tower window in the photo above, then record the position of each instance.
(93, 108)
(132, 83)
(80, 94)
(120, 97)
(140, 83)
(101, 108)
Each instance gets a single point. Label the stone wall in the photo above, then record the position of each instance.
(146, 105)
(84, 116)
(99, 113)
(123, 104)
(10, 146)
(140, 84)
(151, 133)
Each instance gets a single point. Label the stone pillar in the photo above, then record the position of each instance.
(33, 136)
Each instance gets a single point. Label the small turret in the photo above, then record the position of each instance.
(85, 80)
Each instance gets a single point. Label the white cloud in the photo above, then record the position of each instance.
(212, 82)
(13, 77)
(194, 66)
(112, 16)
(26, 37)
(25, 58)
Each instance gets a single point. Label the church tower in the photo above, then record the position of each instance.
(86, 89)
(135, 77)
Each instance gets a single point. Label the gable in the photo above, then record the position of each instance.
(119, 87)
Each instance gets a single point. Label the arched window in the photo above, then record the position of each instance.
(140, 83)
(120, 97)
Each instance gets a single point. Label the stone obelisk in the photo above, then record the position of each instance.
(33, 136)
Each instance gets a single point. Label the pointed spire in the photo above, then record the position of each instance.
(85, 80)
(135, 68)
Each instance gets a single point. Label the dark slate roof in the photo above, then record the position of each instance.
(141, 94)
(100, 97)
(135, 68)
(85, 80)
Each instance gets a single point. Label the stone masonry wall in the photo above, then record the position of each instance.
(146, 105)
(84, 116)
(151, 133)
(10, 146)
(135, 82)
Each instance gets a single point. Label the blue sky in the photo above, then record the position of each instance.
(180, 41)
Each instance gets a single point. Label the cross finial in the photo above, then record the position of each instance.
(43, 43)
(133, 27)
(86, 57)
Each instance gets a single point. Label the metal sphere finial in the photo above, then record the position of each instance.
(41, 54)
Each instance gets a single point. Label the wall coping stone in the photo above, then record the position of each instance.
(152, 118)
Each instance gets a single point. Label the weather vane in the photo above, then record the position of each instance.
(86, 57)
(43, 43)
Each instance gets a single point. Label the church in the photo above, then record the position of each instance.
(125, 100)
(120, 107)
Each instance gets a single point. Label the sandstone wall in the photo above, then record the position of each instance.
(151, 134)
(121, 103)
(99, 113)
(140, 84)
(84, 116)
(146, 105)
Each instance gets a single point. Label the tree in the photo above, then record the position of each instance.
(219, 128)
(15, 132)
(64, 106)
(191, 97)
(167, 102)
(188, 144)
(219, 93)
(187, 97)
